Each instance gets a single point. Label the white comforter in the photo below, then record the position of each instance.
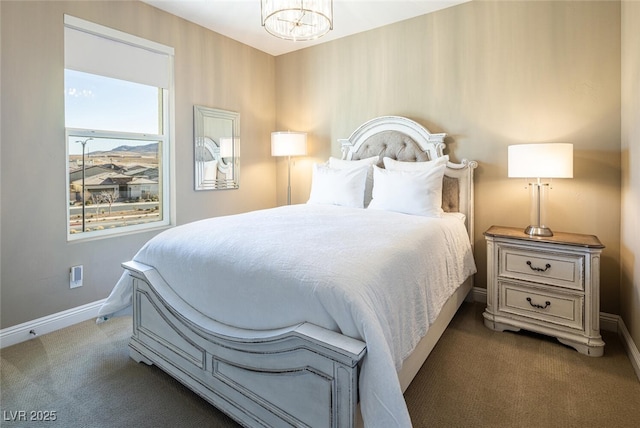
(377, 276)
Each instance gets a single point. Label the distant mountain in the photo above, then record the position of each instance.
(147, 148)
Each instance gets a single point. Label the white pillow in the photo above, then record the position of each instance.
(341, 164)
(409, 192)
(396, 165)
(343, 187)
(210, 170)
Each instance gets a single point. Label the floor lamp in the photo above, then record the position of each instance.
(288, 144)
(540, 161)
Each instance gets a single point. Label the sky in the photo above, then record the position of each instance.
(103, 103)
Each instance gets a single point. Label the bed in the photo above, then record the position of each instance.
(317, 314)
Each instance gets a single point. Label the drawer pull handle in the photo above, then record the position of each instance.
(537, 269)
(547, 303)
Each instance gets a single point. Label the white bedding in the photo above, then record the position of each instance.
(377, 276)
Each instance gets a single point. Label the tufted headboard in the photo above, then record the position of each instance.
(405, 140)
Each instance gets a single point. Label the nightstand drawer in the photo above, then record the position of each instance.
(542, 304)
(544, 267)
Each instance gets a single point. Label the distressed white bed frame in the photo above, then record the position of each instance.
(302, 375)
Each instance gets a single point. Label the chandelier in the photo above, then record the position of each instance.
(297, 20)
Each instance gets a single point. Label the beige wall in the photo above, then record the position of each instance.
(630, 230)
(489, 74)
(210, 70)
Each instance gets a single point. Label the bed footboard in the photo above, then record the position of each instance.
(302, 375)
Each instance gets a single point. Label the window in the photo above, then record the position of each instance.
(118, 89)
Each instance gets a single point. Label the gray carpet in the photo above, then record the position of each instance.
(474, 378)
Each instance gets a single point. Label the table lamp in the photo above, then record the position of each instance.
(540, 161)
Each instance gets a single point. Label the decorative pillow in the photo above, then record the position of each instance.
(343, 187)
(395, 165)
(409, 192)
(342, 164)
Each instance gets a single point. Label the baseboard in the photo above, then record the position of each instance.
(479, 294)
(30, 329)
(608, 322)
(625, 337)
(630, 346)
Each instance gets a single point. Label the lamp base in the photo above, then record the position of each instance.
(538, 231)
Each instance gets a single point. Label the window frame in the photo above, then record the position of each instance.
(166, 137)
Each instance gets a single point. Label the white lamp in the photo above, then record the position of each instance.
(297, 20)
(550, 160)
(288, 144)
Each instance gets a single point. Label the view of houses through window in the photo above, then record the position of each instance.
(114, 146)
(114, 184)
(116, 92)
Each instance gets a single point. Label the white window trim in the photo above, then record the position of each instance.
(168, 146)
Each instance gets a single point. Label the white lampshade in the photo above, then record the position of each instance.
(548, 160)
(288, 143)
(226, 147)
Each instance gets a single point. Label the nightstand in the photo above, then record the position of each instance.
(549, 285)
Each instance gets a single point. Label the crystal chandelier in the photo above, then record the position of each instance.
(297, 20)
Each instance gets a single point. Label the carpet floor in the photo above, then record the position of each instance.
(83, 377)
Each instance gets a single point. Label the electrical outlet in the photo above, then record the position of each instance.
(75, 276)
